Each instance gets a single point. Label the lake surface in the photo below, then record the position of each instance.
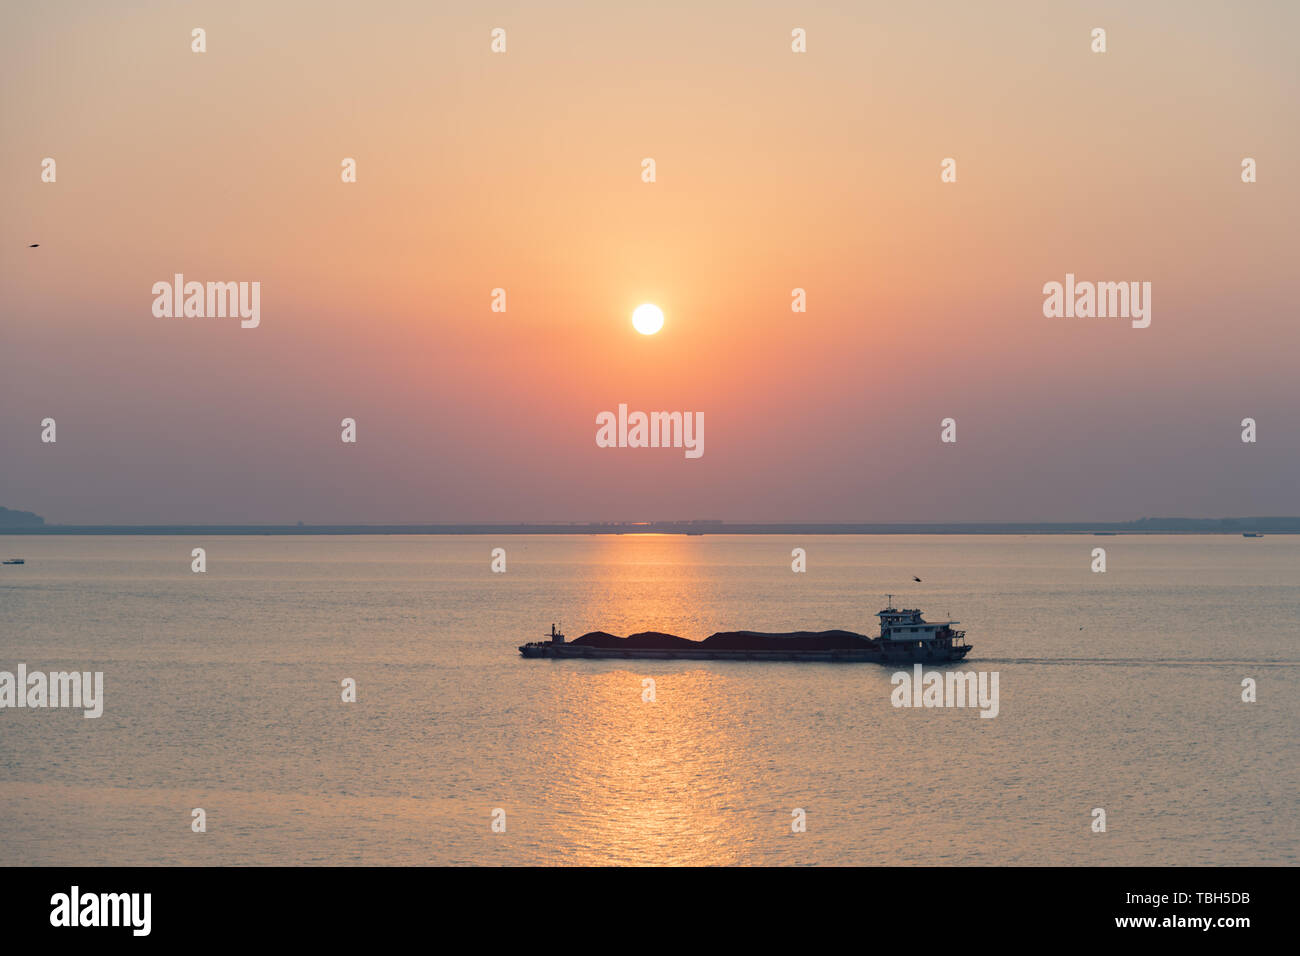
(1119, 691)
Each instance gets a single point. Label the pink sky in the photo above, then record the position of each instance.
(774, 171)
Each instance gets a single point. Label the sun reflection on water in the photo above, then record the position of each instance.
(640, 781)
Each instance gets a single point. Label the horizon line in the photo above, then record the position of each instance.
(1275, 525)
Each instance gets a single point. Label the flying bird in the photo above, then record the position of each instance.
(33, 245)
(915, 578)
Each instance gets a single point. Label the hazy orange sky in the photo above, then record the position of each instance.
(522, 170)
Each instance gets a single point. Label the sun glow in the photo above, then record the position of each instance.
(648, 319)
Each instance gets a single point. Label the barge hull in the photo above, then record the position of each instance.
(868, 655)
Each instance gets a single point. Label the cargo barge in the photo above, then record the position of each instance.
(904, 638)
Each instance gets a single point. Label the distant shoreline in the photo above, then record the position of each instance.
(1230, 526)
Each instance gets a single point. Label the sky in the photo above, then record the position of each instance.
(522, 170)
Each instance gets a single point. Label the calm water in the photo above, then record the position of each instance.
(222, 690)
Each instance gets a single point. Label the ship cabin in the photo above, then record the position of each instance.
(907, 626)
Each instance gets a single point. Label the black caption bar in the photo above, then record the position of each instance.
(297, 905)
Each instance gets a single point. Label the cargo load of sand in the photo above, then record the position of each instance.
(732, 640)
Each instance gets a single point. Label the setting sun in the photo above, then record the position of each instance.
(648, 319)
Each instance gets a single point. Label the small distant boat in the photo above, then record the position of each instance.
(1251, 534)
(16, 561)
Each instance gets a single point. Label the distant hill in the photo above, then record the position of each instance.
(19, 519)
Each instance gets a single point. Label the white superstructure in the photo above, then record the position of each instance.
(908, 625)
